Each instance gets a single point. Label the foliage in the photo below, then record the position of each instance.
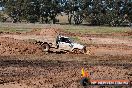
(112, 12)
(96, 12)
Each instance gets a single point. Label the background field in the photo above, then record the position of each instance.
(69, 28)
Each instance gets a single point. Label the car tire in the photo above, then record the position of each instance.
(46, 47)
(76, 51)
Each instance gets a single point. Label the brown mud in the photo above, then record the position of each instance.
(24, 65)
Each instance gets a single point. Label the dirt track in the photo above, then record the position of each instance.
(97, 44)
(24, 65)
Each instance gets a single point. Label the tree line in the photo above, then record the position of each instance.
(95, 12)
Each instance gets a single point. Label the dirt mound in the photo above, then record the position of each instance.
(51, 32)
(45, 32)
(9, 46)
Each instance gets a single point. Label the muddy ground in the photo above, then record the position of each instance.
(23, 64)
(60, 71)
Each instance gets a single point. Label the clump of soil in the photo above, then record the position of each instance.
(10, 46)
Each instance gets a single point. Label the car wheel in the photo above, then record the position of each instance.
(76, 51)
(46, 47)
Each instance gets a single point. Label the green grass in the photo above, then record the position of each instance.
(96, 30)
(130, 36)
(75, 38)
(67, 28)
(12, 30)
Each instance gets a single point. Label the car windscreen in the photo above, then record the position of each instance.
(66, 40)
